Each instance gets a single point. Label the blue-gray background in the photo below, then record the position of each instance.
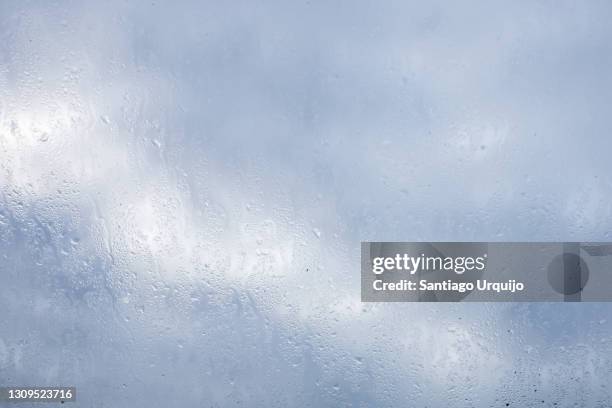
(184, 186)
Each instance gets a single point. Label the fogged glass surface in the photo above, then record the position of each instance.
(184, 187)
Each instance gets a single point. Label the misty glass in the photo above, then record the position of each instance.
(184, 187)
